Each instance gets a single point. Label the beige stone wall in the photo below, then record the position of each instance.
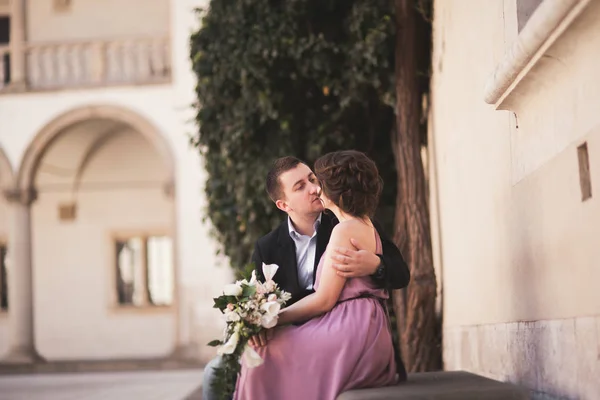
(557, 358)
(4, 7)
(515, 241)
(91, 19)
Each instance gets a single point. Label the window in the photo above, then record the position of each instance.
(585, 180)
(3, 278)
(144, 271)
(4, 30)
(525, 9)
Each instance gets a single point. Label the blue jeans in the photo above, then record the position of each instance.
(208, 377)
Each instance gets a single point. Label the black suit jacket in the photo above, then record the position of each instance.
(277, 247)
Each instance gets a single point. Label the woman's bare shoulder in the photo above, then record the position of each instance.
(350, 229)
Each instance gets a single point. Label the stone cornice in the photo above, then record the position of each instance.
(545, 26)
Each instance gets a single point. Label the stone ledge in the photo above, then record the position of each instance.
(454, 385)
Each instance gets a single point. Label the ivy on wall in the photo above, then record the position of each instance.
(295, 77)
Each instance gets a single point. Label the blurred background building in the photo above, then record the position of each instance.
(103, 253)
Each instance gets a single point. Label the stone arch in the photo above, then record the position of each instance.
(7, 175)
(52, 130)
(25, 177)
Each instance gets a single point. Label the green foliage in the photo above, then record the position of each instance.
(225, 375)
(295, 77)
(222, 301)
(248, 292)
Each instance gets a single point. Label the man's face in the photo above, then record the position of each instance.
(300, 190)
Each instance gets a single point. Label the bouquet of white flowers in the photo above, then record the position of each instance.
(248, 307)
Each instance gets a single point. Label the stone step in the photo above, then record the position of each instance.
(44, 367)
(444, 385)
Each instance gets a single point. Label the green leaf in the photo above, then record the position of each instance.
(215, 343)
(248, 291)
(221, 302)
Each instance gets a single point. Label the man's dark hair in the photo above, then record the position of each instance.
(280, 166)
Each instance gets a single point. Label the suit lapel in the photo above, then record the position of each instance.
(287, 253)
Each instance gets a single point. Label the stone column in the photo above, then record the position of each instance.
(17, 44)
(20, 279)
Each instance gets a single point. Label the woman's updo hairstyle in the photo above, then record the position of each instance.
(351, 181)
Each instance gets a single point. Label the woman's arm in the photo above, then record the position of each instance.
(330, 285)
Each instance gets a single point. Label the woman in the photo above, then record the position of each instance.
(346, 343)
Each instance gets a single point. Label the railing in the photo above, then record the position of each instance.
(93, 63)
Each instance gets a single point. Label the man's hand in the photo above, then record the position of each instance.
(261, 338)
(354, 263)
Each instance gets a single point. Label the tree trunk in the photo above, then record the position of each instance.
(415, 306)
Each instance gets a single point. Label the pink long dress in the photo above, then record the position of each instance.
(347, 348)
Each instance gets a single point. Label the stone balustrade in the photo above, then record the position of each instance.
(78, 64)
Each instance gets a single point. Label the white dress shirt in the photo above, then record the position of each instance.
(306, 248)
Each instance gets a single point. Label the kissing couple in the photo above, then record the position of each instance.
(334, 334)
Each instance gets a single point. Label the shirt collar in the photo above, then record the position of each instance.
(295, 233)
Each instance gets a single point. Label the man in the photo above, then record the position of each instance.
(297, 245)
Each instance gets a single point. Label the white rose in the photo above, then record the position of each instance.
(231, 316)
(271, 308)
(272, 297)
(231, 344)
(232, 290)
(268, 322)
(251, 357)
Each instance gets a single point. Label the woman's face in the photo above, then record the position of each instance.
(324, 200)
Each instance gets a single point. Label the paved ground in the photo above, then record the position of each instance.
(160, 385)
